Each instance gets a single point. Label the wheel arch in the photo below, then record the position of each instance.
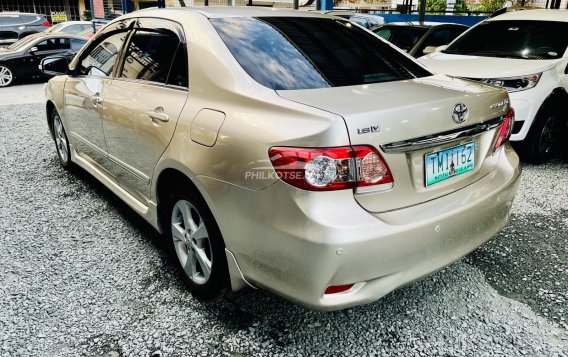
(49, 108)
(168, 180)
(556, 94)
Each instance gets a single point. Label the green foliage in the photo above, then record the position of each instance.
(435, 5)
(460, 8)
(491, 5)
(87, 16)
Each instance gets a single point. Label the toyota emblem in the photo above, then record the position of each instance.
(459, 114)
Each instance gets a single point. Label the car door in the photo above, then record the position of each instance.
(84, 94)
(144, 101)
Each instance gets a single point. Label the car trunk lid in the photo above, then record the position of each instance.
(407, 120)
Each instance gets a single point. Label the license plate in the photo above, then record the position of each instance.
(442, 165)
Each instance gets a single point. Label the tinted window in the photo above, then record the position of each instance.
(53, 44)
(302, 53)
(75, 29)
(404, 37)
(178, 72)
(103, 55)
(9, 20)
(360, 21)
(149, 56)
(514, 39)
(77, 44)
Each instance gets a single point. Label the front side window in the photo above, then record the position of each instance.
(149, 55)
(305, 52)
(514, 39)
(102, 58)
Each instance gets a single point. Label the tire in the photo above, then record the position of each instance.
(7, 76)
(544, 139)
(60, 139)
(194, 240)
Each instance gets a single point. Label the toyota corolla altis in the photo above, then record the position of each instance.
(286, 150)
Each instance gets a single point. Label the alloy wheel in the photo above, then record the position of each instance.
(60, 139)
(191, 242)
(6, 76)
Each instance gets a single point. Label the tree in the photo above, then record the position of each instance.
(491, 5)
(460, 7)
(435, 5)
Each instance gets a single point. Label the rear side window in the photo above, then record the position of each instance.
(149, 55)
(303, 53)
(53, 44)
(178, 73)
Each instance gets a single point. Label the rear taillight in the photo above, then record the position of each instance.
(505, 130)
(336, 168)
(335, 289)
(46, 24)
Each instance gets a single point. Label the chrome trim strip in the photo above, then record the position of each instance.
(424, 142)
(89, 144)
(136, 173)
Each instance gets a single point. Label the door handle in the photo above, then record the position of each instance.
(159, 115)
(96, 99)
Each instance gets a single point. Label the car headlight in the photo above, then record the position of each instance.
(515, 84)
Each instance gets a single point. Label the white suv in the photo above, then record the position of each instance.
(526, 53)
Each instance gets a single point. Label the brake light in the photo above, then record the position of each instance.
(505, 130)
(334, 289)
(336, 168)
(46, 24)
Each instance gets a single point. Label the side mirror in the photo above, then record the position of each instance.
(429, 49)
(33, 49)
(54, 65)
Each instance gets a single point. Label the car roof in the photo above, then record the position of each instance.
(424, 24)
(533, 15)
(75, 23)
(231, 11)
(55, 35)
(13, 13)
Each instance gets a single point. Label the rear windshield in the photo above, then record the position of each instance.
(514, 39)
(304, 52)
(404, 37)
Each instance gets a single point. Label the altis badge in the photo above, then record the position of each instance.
(368, 130)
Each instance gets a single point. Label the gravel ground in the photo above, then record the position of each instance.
(81, 274)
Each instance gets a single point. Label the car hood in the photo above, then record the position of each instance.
(6, 54)
(483, 67)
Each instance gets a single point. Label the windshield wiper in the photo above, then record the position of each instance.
(500, 54)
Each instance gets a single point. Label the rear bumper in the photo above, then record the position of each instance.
(296, 243)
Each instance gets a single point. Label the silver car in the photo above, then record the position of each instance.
(285, 150)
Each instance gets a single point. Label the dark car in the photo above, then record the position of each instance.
(419, 39)
(15, 26)
(21, 59)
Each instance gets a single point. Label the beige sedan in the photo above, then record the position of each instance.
(285, 150)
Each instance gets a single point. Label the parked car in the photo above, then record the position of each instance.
(71, 27)
(365, 20)
(419, 39)
(329, 169)
(21, 60)
(16, 25)
(88, 33)
(526, 53)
